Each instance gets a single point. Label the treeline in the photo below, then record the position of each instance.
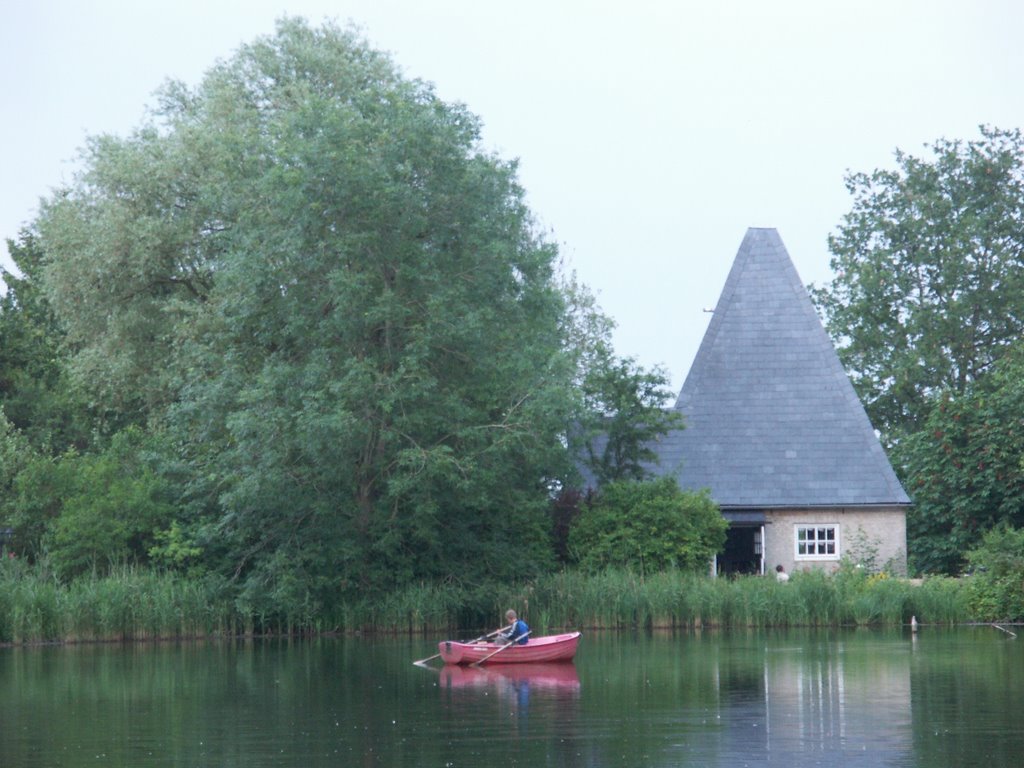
(298, 343)
(297, 337)
(926, 308)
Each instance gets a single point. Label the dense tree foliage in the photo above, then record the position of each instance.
(648, 526)
(997, 573)
(623, 413)
(929, 274)
(343, 301)
(326, 349)
(36, 392)
(927, 309)
(965, 468)
(89, 512)
(619, 445)
(14, 455)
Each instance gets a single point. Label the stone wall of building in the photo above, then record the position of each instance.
(874, 536)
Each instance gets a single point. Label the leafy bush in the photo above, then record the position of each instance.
(649, 526)
(89, 511)
(995, 589)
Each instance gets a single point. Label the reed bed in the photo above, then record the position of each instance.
(622, 599)
(421, 607)
(127, 605)
(941, 600)
(133, 605)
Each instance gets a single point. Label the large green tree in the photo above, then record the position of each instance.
(335, 303)
(927, 306)
(626, 402)
(928, 289)
(965, 468)
(623, 404)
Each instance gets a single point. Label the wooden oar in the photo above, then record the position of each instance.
(495, 653)
(492, 634)
(482, 637)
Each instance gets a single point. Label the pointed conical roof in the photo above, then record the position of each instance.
(772, 420)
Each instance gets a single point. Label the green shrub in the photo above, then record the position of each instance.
(995, 588)
(649, 527)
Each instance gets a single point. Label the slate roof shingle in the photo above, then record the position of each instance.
(772, 419)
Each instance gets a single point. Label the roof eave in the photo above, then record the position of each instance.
(823, 505)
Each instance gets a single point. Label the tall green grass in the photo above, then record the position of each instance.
(621, 599)
(127, 605)
(142, 605)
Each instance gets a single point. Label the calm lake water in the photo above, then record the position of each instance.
(795, 698)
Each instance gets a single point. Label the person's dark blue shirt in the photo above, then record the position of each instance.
(519, 629)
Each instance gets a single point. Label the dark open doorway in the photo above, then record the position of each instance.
(743, 551)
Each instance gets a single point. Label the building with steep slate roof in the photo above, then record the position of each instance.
(777, 433)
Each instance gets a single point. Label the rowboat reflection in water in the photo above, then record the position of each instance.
(560, 677)
(512, 686)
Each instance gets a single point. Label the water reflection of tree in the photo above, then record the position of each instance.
(966, 703)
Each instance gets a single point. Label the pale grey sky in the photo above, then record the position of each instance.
(651, 133)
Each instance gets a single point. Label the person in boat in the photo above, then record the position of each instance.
(517, 628)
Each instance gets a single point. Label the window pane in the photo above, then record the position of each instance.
(817, 541)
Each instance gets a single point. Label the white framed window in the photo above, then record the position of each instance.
(819, 541)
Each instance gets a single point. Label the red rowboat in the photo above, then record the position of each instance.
(537, 650)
